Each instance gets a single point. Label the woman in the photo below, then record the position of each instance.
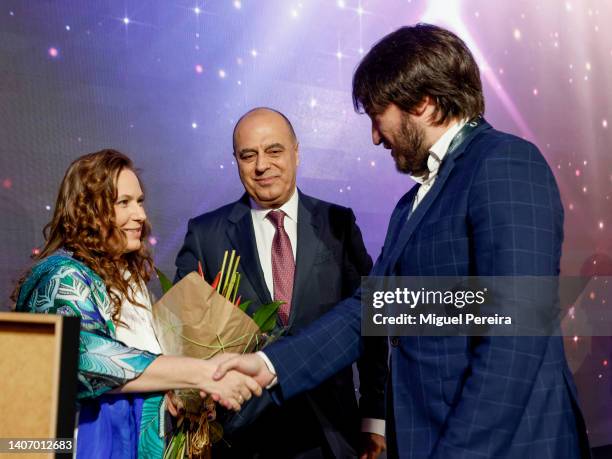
(94, 266)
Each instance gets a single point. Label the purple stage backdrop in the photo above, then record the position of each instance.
(164, 81)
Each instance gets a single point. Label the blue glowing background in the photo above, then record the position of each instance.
(164, 81)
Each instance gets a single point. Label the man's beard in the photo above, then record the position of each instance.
(409, 152)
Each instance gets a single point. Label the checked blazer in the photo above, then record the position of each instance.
(494, 210)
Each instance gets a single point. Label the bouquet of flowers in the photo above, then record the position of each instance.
(199, 320)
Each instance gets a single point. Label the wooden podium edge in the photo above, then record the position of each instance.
(66, 343)
(67, 390)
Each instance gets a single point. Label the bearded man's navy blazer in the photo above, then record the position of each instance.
(494, 210)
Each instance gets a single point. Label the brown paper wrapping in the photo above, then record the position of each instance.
(192, 319)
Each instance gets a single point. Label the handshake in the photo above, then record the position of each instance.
(232, 379)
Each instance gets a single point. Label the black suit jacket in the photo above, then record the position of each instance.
(330, 260)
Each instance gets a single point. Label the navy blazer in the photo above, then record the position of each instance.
(494, 210)
(330, 260)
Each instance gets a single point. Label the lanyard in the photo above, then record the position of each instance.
(457, 140)
(463, 133)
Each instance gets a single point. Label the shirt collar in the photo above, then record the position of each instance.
(290, 208)
(438, 151)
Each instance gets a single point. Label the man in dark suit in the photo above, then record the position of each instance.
(309, 254)
(486, 204)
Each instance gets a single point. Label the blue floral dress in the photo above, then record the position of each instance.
(109, 425)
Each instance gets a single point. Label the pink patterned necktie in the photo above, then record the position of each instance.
(283, 265)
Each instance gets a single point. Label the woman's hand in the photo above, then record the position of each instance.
(174, 372)
(174, 404)
(176, 407)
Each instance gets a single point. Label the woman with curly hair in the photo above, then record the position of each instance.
(94, 266)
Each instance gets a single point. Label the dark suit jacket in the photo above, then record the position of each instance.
(494, 210)
(330, 260)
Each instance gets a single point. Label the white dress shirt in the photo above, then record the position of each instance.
(264, 234)
(437, 152)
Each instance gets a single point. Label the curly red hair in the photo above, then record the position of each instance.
(84, 223)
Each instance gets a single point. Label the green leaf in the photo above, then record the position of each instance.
(165, 283)
(176, 446)
(265, 316)
(269, 324)
(244, 305)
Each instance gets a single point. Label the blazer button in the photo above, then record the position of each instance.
(395, 341)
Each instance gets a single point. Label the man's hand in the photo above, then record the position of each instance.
(233, 390)
(372, 445)
(249, 364)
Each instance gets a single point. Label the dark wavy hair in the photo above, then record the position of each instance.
(84, 223)
(418, 61)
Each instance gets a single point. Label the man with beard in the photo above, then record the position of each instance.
(486, 204)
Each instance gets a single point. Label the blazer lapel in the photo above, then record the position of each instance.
(412, 222)
(241, 234)
(308, 246)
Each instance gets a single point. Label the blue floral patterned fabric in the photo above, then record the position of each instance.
(110, 425)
